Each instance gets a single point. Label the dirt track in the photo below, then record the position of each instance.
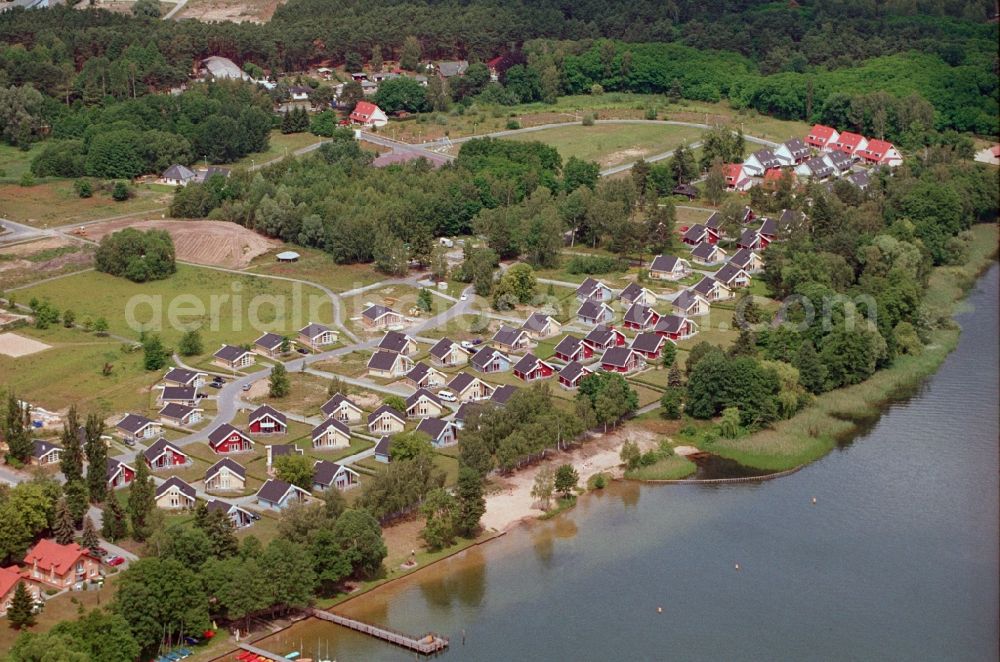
(213, 243)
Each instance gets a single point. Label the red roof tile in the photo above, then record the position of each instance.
(49, 554)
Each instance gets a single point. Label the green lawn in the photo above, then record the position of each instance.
(672, 467)
(263, 305)
(14, 162)
(612, 145)
(279, 145)
(317, 267)
(71, 372)
(54, 203)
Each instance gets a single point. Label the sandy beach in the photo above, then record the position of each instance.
(513, 503)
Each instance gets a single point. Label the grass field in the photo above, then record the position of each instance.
(673, 467)
(317, 267)
(245, 306)
(71, 372)
(612, 145)
(14, 162)
(54, 203)
(280, 144)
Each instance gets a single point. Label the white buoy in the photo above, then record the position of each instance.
(814, 500)
(659, 610)
(737, 566)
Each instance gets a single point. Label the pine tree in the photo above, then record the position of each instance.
(669, 354)
(113, 524)
(62, 529)
(72, 454)
(471, 502)
(222, 533)
(140, 501)
(745, 345)
(286, 123)
(89, 539)
(190, 343)
(16, 428)
(674, 377)
(77, 500)
(22, 607)
(97, 458)
(201, 515)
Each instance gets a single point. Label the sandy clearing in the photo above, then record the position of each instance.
(15, 346)
(237, 11)
(514, 503)
(33, 247)
(212, 243)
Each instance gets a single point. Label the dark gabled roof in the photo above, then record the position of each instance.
(507, 335)
(181, 376)
(600, 334)
(745, 214)
(281, 450)
(461, 382)
(230, 353)
(840, 160)
(175, 410)
(442, 347)
(160, 446)
(385, 409)
(417, 374)
(313, 330)
(588, 286)
(229, 463)
(796, 146)
(376, 311)
(749, 237)
(766, 158)
(569, 345)
(325, 471)
(685, 300)
(664, 262)
(224, 506)
(703, 250)
(179, 393)
(728, 272)
(393, 341)
(741, 258)
(330, 423)
(422, 393)
(383, 360)
(274, 490)
(631, 292)
(695, 232)
(181, 486)
(133, 423)
(573, 370)
(334, 403)
(267, 410)
(790, 218)
(536, 322)
(638, 313)
(670, 324)
(705, 286)
(502, 394)
(714, 221)
(40, 449)
(617, 356)
(450, 68)
(648, 342)
(434, 427)
(271, 341)
(527, 363)
(383, 447)
(859, 179)
(220, 433)
(818, 166)
(484, 356)
(178, 171)
(112, 466)
(591, 309)
(768, 227)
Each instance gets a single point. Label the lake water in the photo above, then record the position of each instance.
(897, 560)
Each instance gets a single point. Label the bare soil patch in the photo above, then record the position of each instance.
(15, 346)
(237, 11)
(26, 263)
(212, 243)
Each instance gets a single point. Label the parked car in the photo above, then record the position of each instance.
(115, 560)
(302, 350)
(247, 387)
(101, 552)
(464, 296)
(202, 395)
(468, 344)
(218, 380)
(447, 396)
(215, 385)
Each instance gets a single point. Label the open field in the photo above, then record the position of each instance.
(227, 308)
(71, 372)
(237, 11)
(612, 145)
(672, 467)
(280, 144)
(212, 243)
(26, 263)
(16, 346)
(54, 203)
(317, 267)
(14, 162)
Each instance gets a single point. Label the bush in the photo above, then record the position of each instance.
(592, 264)
(121, 191)
(513, 125)
(588, 119)
(27, 179)
(651, 113)
(596, 89)
(83, 188)
(136, 255)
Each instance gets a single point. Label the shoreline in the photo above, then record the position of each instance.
(601, 455)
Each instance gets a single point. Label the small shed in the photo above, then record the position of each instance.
(288, 256)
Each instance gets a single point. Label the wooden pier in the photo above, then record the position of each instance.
(427, 645)
(263, 653)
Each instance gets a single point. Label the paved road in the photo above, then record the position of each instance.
(173, 12)
(18, 232)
